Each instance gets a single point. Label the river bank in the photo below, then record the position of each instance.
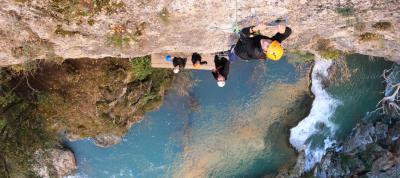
(44, 102)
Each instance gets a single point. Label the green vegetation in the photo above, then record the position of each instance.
(28, 67)
(116, 92)
(109, 93)
(382, 25)
(160, 78)
(345, 11)
(296, 56)
(366, 37)
(141, 67)
(327, 50)
(309, 174)
(120, 40)
(331, 54)
(22, 130)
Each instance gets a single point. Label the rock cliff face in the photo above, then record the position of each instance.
(56, 29)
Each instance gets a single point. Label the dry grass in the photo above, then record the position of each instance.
(121, 37)
(76, 9)
(382, 25)
(60, 31)
(359, 26)
(368, 36)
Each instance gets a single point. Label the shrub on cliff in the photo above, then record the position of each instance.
(22, 131)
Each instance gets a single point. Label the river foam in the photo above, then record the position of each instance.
(318, 121)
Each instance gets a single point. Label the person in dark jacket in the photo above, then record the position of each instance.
(253, 45)
(221, 70)
(179, 63)
(196, 60)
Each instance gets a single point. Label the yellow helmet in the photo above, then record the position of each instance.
(275, 51)
(197, 66)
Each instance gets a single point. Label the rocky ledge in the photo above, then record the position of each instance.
(372, 151)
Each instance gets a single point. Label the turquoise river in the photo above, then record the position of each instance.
(249, 128)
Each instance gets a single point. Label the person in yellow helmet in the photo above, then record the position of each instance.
(252, 45)
(197, 61)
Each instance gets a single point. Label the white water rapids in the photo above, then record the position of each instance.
(322, 109)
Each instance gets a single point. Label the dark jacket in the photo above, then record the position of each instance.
(178, 61)
(249, 48)
(221, 67)
(197, 57)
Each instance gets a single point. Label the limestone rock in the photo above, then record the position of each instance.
(33, 29)
(63, 161)
(54, 163)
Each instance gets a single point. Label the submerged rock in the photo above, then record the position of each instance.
(106, 140)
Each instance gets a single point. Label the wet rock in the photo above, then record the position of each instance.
(329, 167)
(106, 140)
(381, 130)
(391, 173)
(360, 137)
(384, 162)
(297, 170)
(394, 134)
(396, 147)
